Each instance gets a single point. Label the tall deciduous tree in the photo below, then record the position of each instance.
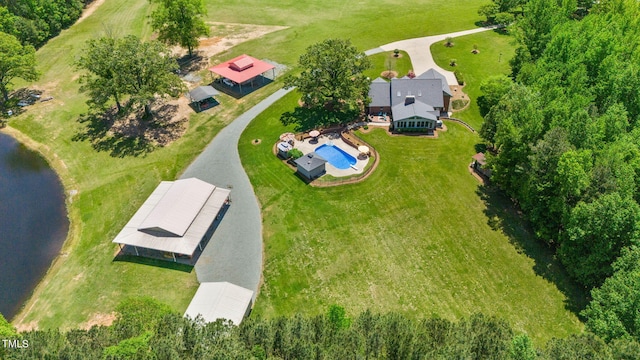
(595, 234)
(147, 71)
(332, 77)
(179, 22)
(128, 68)
(102, 82)
(614, 311)
(16, 61)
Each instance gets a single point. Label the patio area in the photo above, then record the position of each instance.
(310, 144)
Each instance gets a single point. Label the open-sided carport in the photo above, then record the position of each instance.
(243, 69)
(175, 218)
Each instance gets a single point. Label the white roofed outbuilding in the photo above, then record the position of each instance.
(220, 300)
(175, 218)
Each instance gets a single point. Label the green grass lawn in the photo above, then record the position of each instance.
(419, 236)
(495, 51)
(368, 24)
(387, 61)
(85, 280)
(405, 221)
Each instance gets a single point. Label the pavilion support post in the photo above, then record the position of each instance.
(136, 249)
(174, 256)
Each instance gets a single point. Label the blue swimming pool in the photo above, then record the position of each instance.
(335, 156)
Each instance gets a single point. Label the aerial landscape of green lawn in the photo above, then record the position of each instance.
(415, 237)
(420, 236)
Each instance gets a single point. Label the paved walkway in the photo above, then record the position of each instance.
(418, 50)
(234, 253)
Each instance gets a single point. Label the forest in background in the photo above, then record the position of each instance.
(147, 329)
(564, 143)
(34, 22)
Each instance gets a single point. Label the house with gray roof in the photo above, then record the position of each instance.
(414, 104)
(311, 165)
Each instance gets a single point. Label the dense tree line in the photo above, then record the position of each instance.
(146, 329)
(34, 22)
(565, 145)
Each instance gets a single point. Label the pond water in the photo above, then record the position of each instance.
(33, 222)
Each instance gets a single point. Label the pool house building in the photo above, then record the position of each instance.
(311, 165)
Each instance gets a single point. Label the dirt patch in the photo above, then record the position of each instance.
(256, 141)
(99, 319)
(33, 325)
(90, 9)
(226, 36)
(389, 74)
(169, 123)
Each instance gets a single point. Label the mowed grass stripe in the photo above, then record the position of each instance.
(414, 237)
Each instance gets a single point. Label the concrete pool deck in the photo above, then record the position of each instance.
(308, 146)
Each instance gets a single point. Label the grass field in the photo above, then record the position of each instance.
(415, 237)
(495, 51)
(85, 282)
(387, 61)
(405, 220)
(420, 236)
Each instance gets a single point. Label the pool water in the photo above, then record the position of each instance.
(336, 156)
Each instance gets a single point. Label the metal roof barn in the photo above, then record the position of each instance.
(175, 218)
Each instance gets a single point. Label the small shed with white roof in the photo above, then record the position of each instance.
(220, 300)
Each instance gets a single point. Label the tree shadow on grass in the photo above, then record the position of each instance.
(503, 215)
(305, 118)
(128, 133)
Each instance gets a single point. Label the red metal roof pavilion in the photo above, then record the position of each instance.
(241, 69)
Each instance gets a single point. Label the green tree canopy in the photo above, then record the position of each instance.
(595, 234)
(179, 22)
(101, 83)
(614, 312)
(493, 89)
(332, 79)
(16, 61)
(128, 67)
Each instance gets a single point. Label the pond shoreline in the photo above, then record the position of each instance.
(64, 180)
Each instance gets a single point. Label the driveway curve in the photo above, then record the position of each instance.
(420, 53)
(234, 253)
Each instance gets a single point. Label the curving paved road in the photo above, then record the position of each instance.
(234, 253)
(420, 54)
